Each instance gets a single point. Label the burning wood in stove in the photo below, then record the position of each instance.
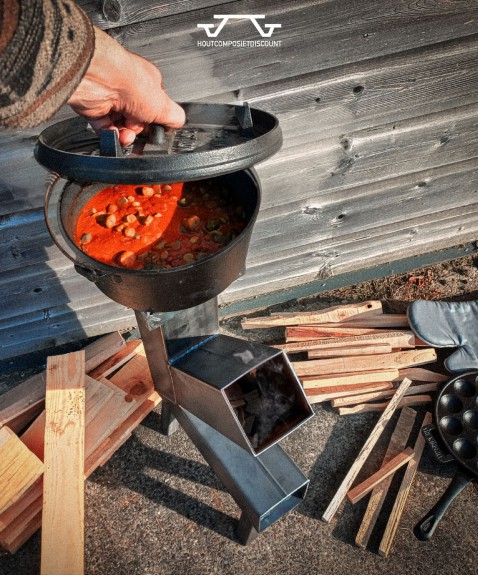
(262, 402)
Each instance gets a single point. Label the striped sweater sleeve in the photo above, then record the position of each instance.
(45, 49)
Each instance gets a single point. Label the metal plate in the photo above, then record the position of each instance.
(216, 139)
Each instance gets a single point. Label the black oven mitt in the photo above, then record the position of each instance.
(448, 324)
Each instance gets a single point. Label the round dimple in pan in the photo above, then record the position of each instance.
(457, 418)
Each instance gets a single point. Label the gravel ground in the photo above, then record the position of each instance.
(157, 508)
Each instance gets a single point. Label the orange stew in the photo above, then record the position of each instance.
(158, 226)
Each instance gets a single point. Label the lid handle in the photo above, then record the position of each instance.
(109, 144)
(156, 134)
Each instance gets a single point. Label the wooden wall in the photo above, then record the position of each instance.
(378, 101)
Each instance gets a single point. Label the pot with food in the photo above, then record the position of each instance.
(157, 247)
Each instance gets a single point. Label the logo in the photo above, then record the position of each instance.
(265, 31)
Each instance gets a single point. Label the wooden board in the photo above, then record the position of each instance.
(62, 543)
(396, 339)
(350, 364)
(19, 469)
(377, 395)
(335, 314)
(313, 382)
(412, 400)
(387, 470)
(321, 394)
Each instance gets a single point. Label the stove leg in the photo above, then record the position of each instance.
(246, 532)
(169, 424)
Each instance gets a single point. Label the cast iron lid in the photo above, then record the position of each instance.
(216, 139)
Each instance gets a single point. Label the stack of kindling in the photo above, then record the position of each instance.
(356, 356)
(116, 391)
(361, 359)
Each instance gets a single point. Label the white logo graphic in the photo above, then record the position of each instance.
(214, 32)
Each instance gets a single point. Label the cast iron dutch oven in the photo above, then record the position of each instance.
(453, 437)
(218, 141)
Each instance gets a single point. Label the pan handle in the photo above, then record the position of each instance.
(425, 528)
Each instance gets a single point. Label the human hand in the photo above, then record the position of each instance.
(123, 91)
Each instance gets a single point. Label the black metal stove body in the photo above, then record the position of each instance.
(236, 400)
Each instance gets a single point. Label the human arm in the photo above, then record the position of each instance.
(123, 90)
(50, 54)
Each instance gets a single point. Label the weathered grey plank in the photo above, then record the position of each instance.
(313, 226)
(113, 13)
(396, 87)
(405, 239)
(63, 325)
(313, 171)
(314, 36)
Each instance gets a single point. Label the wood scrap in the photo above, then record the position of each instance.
(365, 452)
(404, 490)
(421, 374)
(373, 396)
(97, 396)
(134, 378)
(313, 381)
(110, 418)
(121, 357)
(19, 468)
(62, 541)
(9, 516)
(358, 350)
(323, 331)
(112, 443)
(319, 395)
(396, 360)
(396, 339)
(397, 443)
(388, 469)
(412, 400)
(20, 405)
(333, 314)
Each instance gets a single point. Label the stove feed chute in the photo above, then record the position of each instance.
(246, 391)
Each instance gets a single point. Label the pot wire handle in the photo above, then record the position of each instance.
(425, 528)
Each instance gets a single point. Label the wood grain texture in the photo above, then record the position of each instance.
(364, 452)
(335, 314)
(374, 396)
(111, 14)
(359, 350)
(396, 339)
(315, 29)
(19, 469)
(321, 394)
(312, 382)
(62, 546)
(404, 490)
(388, 469)
(28, 397)
(397, 360)
(397, 443)
(421, 374)
(412, 400)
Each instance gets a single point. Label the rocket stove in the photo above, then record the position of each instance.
(236, 400)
